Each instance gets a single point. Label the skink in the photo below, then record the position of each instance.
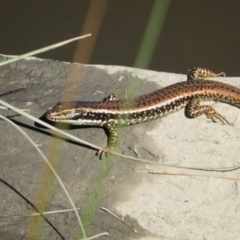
(112, 113)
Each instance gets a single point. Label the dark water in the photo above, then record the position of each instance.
(195, 33)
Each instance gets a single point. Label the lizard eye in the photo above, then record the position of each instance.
(74, 114)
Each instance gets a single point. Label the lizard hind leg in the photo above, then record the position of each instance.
(200, 73)
(194, 109)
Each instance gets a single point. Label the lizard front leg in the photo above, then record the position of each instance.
(112, 139)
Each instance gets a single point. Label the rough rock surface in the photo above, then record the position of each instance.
(179, 204)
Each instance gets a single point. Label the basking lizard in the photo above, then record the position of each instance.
(112, 113)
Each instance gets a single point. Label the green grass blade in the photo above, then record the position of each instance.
(45, 49)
